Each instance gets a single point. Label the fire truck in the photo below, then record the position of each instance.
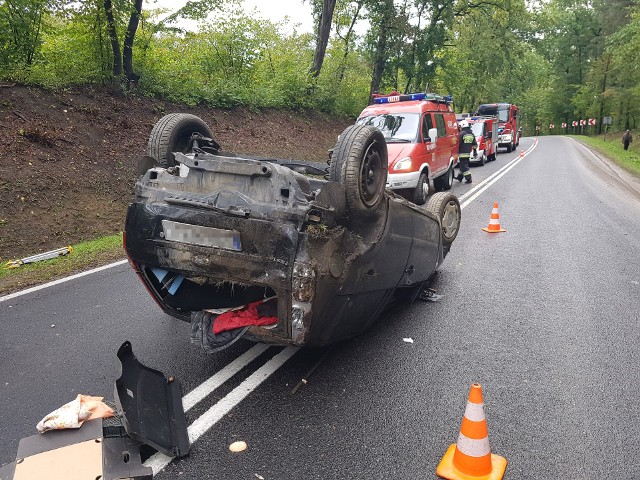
(421, 134)
(485, 129)
(509, 118)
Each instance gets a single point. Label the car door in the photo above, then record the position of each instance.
(443, 147)
(431, 146)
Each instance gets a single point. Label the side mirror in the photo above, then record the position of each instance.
(433, 134)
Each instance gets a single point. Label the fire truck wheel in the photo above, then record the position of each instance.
(171, 134)
(359, 162)
(509, 149)
(421, 191)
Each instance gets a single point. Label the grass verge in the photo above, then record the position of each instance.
(612, 149)
(85, 255)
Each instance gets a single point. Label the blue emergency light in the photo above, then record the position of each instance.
(414, 96)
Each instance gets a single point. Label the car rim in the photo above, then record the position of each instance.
(425, 188)
(370, 176)
(450, 219)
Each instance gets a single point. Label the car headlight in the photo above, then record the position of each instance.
(403, 164)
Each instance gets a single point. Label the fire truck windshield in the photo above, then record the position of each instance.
(396, 127)
(501, 111)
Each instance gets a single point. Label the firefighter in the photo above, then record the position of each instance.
(467, 143)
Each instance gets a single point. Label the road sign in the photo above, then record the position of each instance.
(583, 123)
(607, 120)
(574, 123)
(564, 125)
(552, 126)
(592, 121)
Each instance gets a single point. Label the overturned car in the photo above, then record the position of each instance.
(279, 251)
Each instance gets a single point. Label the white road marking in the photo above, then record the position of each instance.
(204, 389)
(475, 192)
(212, 416)
(60, 280)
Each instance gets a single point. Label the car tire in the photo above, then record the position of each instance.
(421, 192)
(171, 134)
(359, 162)
(509, 148)
(446, 207)
(444, 182)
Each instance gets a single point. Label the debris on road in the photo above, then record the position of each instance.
(58, 252)
(305, 379)
(429, 295)
(91, 446)
(237, 447)
(75, 413)
(408, 340)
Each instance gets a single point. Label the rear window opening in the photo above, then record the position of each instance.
(204, 293)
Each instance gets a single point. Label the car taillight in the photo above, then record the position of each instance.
(304, 282)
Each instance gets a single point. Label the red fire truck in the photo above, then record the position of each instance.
(509, 128)
(421, 133)
(485, 129)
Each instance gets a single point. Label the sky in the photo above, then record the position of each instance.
(297, 11)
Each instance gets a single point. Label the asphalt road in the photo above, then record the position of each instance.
(544, 316)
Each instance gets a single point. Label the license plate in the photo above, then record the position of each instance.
(204, 236)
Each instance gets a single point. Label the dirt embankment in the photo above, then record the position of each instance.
(67, 159)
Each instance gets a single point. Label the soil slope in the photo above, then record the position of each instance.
(67, 159)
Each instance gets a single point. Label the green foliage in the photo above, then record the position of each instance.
(560, 60)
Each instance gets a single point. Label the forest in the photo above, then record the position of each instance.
(559, 60)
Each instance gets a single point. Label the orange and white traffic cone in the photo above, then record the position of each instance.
(494, 221)
(471, 457)
(521, 153)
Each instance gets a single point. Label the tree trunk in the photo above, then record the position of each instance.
(113, 36)
(324, 29)
(347, 38)
(381, 49)
(127, 53)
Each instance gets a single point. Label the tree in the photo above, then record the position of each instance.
(323, 29)
(193, 9)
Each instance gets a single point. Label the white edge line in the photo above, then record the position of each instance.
(60, 280)
(212, 416)
(496, 176)
(201, 391)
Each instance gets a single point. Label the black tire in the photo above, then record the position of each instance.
(171, 134)
(421, 192)
(444, 182)
(359, 162)
(446, 207)
(509, 149)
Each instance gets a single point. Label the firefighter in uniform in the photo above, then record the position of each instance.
(467, 143)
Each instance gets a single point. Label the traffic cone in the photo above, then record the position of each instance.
(521, 153)
(494, 221)
(471, 457)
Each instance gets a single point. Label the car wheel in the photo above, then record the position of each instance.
(509, 148)
(359, 162)
(483, 160)
(444, 182)
(446, 207)
(421, 192)
(171, 134)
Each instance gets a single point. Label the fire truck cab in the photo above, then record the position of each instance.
(421, 133)
(509, 118)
